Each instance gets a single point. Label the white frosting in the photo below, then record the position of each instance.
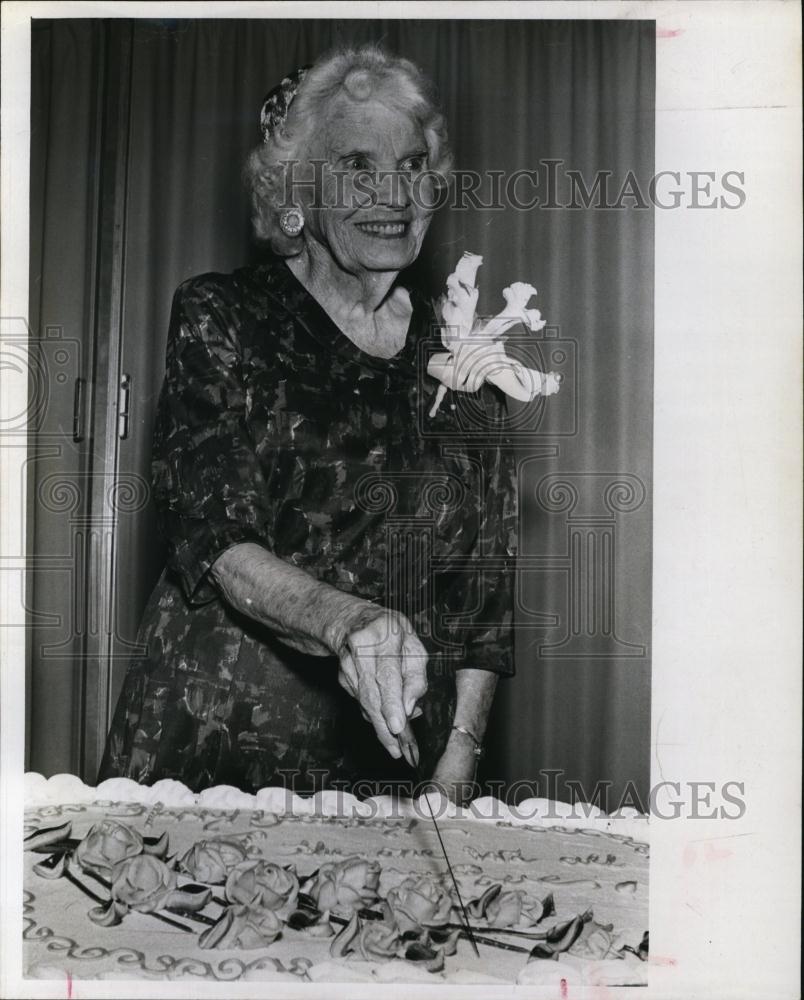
(59, 788)
(580, 973)
(62, 788)
(340, 972)
(225, 797)
(397, 971)
(570, 974)
(561, 975)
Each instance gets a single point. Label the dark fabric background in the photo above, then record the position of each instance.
(514, 93)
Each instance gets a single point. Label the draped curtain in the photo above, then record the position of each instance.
(515, 93)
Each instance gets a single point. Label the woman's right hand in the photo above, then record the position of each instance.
(382, 662)
(383, 665)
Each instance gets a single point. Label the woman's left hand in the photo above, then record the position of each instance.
(455, 771)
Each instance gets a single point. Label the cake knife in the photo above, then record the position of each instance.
(410, 751)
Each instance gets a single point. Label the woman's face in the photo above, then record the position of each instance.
(365, 213)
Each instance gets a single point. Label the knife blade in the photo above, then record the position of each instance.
(410, 751)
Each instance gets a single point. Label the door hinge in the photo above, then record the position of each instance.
(78, 410)
(123, 407)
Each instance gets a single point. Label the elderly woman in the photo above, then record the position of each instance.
(323, 620)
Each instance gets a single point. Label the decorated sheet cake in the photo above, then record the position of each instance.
(127, 882)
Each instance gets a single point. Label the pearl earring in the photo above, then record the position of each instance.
(291, 222)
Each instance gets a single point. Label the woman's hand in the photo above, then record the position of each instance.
(382, 662)
(383, 665)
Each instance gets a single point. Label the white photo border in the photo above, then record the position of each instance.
(725, 897)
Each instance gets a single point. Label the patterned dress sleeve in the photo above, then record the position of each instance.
(486, 597)
(208, 482)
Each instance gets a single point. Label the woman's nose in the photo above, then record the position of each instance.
(392, 189)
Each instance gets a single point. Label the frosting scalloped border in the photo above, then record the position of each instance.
(537, 812)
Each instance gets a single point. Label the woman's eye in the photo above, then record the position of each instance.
(413, 164)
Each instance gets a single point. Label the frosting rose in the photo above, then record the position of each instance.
(514, 909)
(241, 926)
(145, 883)
(262, 883)
(381, 940)
(418, 903)
(211, 861)
(372, 939)
(106, 845)
(596, 941)
(378, 940)
(346, 886)
(511, 908)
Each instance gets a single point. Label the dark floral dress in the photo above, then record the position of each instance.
(274, 427)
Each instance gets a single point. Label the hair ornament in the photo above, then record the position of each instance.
(277, 103)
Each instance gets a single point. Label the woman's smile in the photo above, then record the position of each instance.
(384, 230)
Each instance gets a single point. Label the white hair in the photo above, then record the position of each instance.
(360, 73)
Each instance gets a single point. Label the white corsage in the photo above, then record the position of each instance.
(475, 351)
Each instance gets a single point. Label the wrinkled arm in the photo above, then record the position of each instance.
(307, 615)
(456, 767)
(382, 661)
(475, 693)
